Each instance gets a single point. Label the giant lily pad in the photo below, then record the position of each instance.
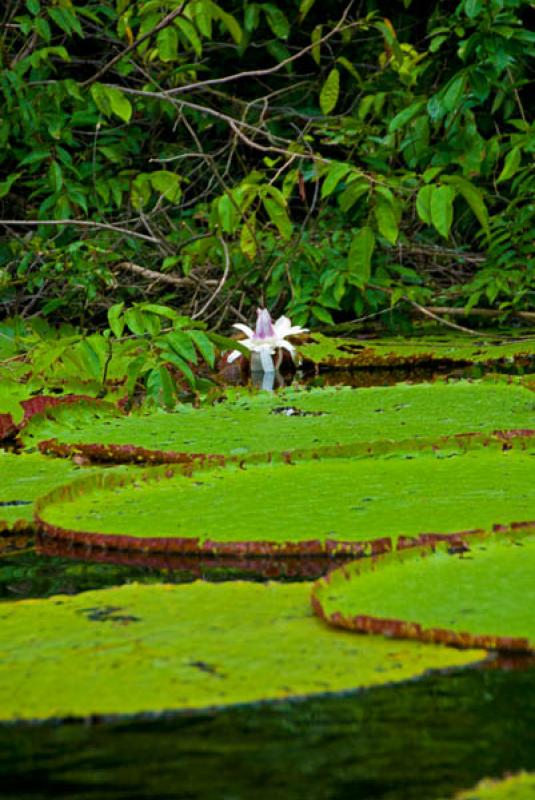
(479, 593)
(373, 418)
(334, 505)
(514, 787)
(137, 649)
(17, 408)
(25, 477)
(402, 351)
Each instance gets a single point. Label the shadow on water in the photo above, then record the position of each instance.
(418, 741)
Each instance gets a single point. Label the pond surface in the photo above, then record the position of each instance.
(420, 740)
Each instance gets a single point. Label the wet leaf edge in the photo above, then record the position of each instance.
(133, 454)
(240, 548)
(403, 629)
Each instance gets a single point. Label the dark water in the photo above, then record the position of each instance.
(417, 741)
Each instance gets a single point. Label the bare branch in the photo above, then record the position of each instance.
(80, 223)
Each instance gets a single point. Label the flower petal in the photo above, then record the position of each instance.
(244, 329)
(289, 347)
(266, 360)
(233, 356)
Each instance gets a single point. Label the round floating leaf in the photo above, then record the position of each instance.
(30, 406)
(403, 351)
(514, 787)
(24, 478)
(373, 418)
(335, 506)
(480, 593)
(142, 649)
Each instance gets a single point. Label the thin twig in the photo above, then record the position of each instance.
(81, 224)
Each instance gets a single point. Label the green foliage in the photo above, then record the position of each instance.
(149, 352)
(358, 168)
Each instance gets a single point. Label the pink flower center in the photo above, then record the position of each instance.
(264, 325)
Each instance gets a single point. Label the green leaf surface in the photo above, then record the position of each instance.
(292, 419)
(428, 348)
(442, 198)
(479, 593)
(359, 258)
(332, 505)
(23, 479)
(514, 787)
(149, 649)
(330, 92)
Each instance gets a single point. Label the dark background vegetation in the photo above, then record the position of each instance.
(329, 160)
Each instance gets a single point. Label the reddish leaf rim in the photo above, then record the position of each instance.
(403, 629)
(134, 454)
(291, 567)
(38, 405)
(238, 548)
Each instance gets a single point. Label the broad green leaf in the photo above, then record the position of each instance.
(442, 198)
(473, 197)
(333, 176)
(167, 44)
(359, 258)
(315, 38)
(354, 190)
(473, 8)
(304, 8)
(423, 203)
(330, 92)
(230, 22)
(167, 184)
(204, 346)
(227, 213)
(190, 34)
(405, 116)
(5, 186)
(248, 238)
(109, 99)
(386, 217)
(140, 193)
(116, 319)
(55, 176)
(161, 387)
(278, 216)
(135, 321)
(182, 344)
(511, 164)
(277, 20)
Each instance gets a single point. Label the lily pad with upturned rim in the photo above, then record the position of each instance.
(24, 478)
(149, 649)
(376, 419)
(478, 593)
(353, 506)
(513, 787)
(485, 348)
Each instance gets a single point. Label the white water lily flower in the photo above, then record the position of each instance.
(267, 338)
